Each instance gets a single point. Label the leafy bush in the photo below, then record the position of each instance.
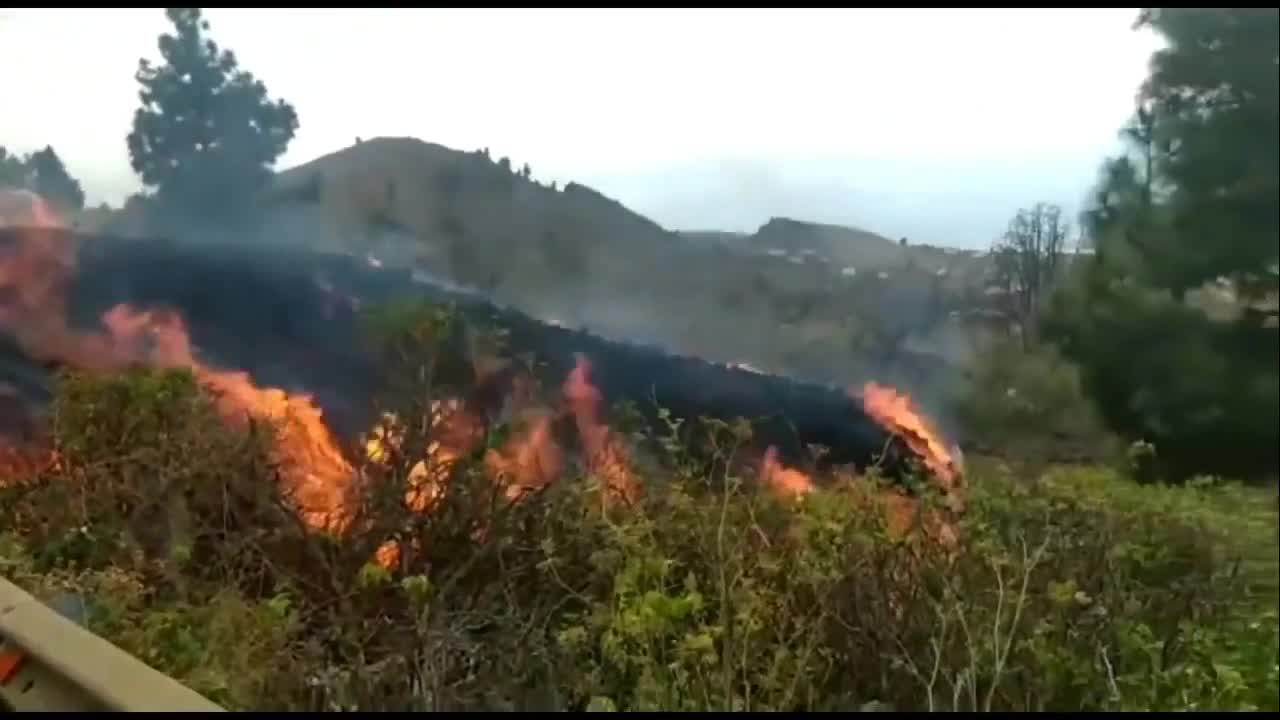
(1080, 590)
(143, 461)
(1075, 590)
(205, 640)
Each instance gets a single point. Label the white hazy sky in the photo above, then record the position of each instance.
(934, 124)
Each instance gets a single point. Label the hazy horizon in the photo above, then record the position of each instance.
(934, 125)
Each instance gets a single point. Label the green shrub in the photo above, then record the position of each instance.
(1139, 600)
(145, 465)
(1076, 590)
(235, 651)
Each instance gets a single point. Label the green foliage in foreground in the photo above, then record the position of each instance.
(1077, 590)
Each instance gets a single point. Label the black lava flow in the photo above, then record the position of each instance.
(280, 315)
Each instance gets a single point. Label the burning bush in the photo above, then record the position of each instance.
(212, 524)
(143, 461)
(1079, 591)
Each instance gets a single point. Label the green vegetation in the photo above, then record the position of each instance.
(1166, 334)
(42, 172)
(1193, 204)
(1074, 586)
(1076, 590)
(1029, 404)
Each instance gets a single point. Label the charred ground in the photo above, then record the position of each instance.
(295, 319)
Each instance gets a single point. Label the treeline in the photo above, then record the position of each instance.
(42, 172)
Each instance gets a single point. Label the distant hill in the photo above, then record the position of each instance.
(439, 194)
(712, 236)
(838, 244)
(818, 301)
(787, 297)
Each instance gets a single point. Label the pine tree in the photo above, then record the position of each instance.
(207, 135)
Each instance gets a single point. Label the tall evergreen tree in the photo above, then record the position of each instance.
(1194, 206)
(207, 134)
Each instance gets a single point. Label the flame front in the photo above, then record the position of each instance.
(34, 279)
(530, 460)
(316, 475)
(606, 456)
(452, 433)
(783, 480)
(896, 412)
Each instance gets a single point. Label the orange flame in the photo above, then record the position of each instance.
(606, 456)
(529, 461)
(33, 283)
(316, 474)
(388, 554)
(20, 465)
(453, 431)
(783, 480)
(897, 413)
(319, 478)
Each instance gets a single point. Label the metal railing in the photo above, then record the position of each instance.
(49, 662)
